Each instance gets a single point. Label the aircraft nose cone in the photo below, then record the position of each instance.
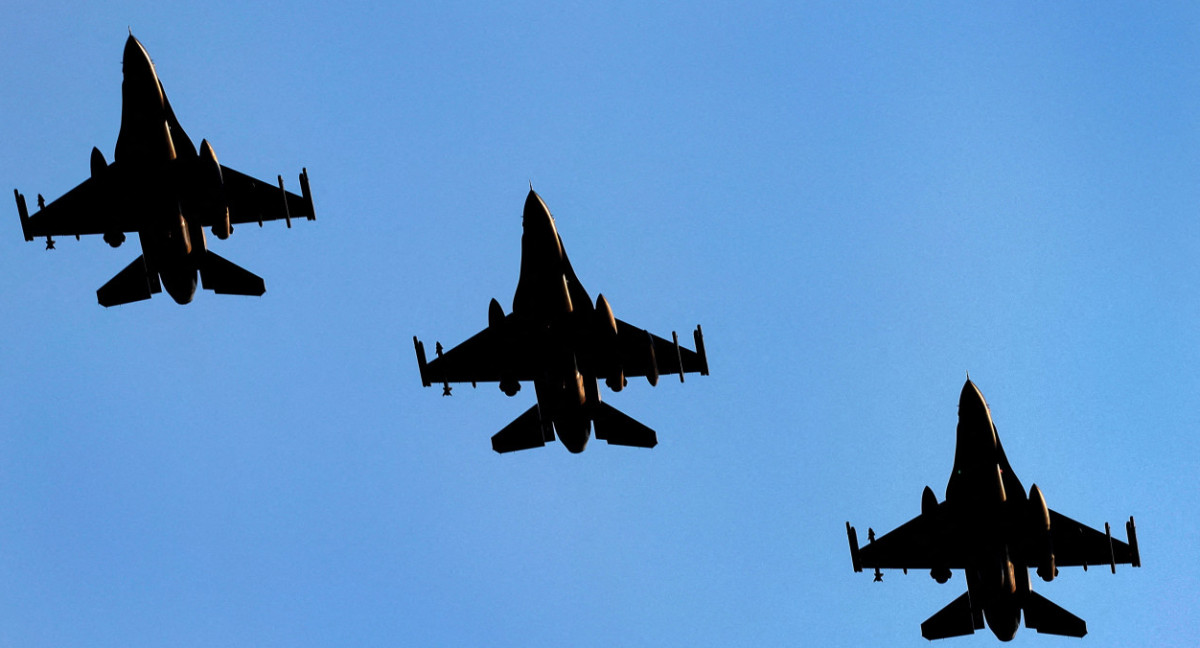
(135, 62)
(536, 210)
(974, 418)
(134, 52)
(971, 399)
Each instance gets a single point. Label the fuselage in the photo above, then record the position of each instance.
(154, 164)
(551, 303)
(987, 497)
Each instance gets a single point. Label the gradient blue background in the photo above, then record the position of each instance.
(858, 202)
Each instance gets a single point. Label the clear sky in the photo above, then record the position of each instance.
(858, 202)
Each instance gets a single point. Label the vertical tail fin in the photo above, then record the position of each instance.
(23, 212)
(1048, 618)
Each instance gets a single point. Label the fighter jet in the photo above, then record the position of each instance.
(557, 339)
(158, 187)
(988, 527)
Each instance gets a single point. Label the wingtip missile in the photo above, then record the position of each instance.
(421, 364)
(698, 335)
(1112, 556)
(852, 536)
(23, 212)
(306, 192)
(1131, 535)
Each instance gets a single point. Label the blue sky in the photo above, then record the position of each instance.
(858, 202)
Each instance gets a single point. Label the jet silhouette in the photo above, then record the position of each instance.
(557, 339)
(988, 527)
(160, 188)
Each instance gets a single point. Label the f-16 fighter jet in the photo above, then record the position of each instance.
(988, 528)
(557, 339)
(158, 187)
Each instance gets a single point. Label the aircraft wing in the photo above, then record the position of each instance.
(1076, 544)
(86, 209)
(254, 201)
(483, 357)
(668, 357)
(919, 543)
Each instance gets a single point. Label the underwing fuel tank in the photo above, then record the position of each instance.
(496, 324)
(212, 191)
(1039, 523)
(606, 328)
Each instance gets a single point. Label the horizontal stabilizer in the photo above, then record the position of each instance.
(618, 429)
(1048, 618)
(227, 278)
(130, 285)
(954, 620)
(525, 432)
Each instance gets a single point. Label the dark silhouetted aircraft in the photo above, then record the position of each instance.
(991, 530)
(557, 339)
(159, 187)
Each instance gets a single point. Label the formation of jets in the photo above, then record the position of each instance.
(162, 188)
